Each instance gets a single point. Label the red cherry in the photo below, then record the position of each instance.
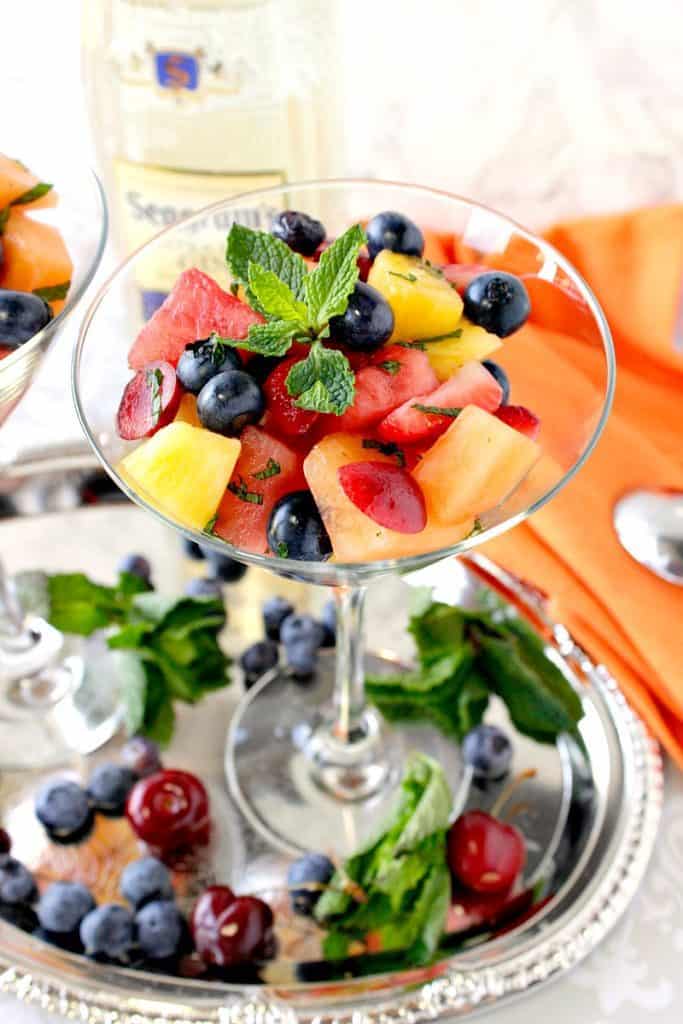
(286, 417)
(149, 401)
(485, 854)
(5, 841)
(229, 929)
(519, 418)
(170, 811)
(386, 493)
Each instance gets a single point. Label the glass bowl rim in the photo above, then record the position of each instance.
(343, 572)
(73, 296)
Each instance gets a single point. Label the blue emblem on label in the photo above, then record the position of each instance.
(177, 70)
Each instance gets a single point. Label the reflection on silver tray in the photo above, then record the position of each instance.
(594, 829)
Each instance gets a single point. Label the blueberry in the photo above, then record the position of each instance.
(275, 611)
(136, 565)
(300, 232)
(141, 756)
(225, 568)
(108, 931)
(5, 841)
(501, 376)
(488, 750)
(301, 628)
(328, 621)
(63, 807)
(63, 906)
(160, 929)
(16, 881)
(301, 658)
(257, 659)
(202, 360)
(109, 786)
(145, 880)
(193, 550)
(203, 587)
(498, 302)
(367, 323)
(229, 402)
(21, 316)
(312, 870)
(296, 529)
(391, 230)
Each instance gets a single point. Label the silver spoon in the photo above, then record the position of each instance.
(649, 525)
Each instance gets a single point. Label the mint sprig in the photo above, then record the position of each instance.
(53, 292)
(298, 307)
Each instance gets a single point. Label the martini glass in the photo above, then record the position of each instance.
(315, 767)
(34, 674)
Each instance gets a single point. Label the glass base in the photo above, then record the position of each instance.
(302, 788)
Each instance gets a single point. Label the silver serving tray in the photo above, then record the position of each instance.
(591, 827)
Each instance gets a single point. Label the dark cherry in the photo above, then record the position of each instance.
(170, 811)
(5, 841)
(485, 854)
(229, 929)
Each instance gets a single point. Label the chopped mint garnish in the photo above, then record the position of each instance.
(421, 346)
(234, 288)
(53, 292)
(282, 549)
(271, 468)
(208, 528)
(477, 528)
(298, 307)
(241, 491)
(386, 448)
(411, 278)
(37, 192)
(154, 380)
(439, 410)
(390, 366)
(457, 333)
(323, 381)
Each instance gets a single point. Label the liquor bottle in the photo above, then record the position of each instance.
(191, 101)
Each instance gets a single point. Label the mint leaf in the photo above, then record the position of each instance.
(390, 366)
(271, 339)
(439, 410)
(274, 297)
(245, 246)
(132, 689)
(154, 380)
(271, 468)
(327, 288)
(77, 605)
(323, 381)
(241, 491)
(53, 292)
(386, 448)
(37, 192)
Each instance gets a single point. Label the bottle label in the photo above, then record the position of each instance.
(150, 199)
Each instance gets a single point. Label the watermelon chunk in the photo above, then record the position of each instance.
(395, 375)
(471, 385)
(266, 470)
(195, 307)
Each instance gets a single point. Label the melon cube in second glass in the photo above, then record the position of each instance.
(473, 466)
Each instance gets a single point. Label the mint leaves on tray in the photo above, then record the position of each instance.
(172, 643)
(466, 655)
(397, 888)
(298, 306)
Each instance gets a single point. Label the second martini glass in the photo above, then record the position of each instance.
(316, 767)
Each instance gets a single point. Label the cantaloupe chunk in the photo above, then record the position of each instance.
(16, 180)
(35, 255)
(356, 537)
(472, 342)
(183, 470)
(187, 411)
(423, 302)
(473, 466)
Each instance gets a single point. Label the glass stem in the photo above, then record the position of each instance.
(349, 694)
(10, 608)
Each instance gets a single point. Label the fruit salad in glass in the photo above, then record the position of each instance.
(338, 402)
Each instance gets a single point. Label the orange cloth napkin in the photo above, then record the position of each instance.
(624, 616)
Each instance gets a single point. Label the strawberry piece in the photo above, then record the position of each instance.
(521, 419)
(460, 274)
(394, 375)
(470, 385)
(195, 307)
(149, 401)
(283, 415)
(386, 494)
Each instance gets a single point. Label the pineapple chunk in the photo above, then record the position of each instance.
(187, 411)
(424, 303)
(183, 470)
(356, 537)
(473, 466)
(472, 343)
